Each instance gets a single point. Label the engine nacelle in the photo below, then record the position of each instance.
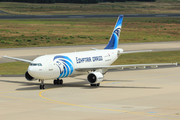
(95, 77)
(29, 77)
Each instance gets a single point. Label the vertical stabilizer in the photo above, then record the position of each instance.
(113, 42)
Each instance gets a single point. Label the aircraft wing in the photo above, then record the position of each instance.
(122, 66)
(18, 59)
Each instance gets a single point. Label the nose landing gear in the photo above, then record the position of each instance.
(42, 84)
(58, 82)
(97, 85)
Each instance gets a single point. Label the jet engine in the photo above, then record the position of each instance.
(95, 77)
(29, 77)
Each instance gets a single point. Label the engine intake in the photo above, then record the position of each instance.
(29, 77)
(95, 77)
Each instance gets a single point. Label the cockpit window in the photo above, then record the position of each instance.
(39, 64)
(35, 64)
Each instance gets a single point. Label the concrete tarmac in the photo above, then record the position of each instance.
(150, 94)
(147, 94)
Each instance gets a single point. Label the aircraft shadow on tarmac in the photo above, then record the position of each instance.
(81, 84)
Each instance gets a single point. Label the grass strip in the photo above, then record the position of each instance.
(13, 68)
(131, 7)
(59, 32)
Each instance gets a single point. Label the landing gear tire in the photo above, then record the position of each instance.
(41, 87)
(97, 85)
(55, 82)
(58, 82)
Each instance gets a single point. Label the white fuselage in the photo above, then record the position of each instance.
(63, 65)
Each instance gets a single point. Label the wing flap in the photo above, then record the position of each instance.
(18, 59)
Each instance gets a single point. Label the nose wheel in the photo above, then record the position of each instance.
(58, 82)
(41, 87)
(42, 84)
(97, 85)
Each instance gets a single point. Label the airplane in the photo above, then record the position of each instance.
(95, 62)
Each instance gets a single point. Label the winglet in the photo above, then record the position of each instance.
(113, 42)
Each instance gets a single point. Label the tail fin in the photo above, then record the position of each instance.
(113, 42)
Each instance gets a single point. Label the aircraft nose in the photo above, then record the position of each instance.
(32, 71)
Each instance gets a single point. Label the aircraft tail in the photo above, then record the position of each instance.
(113, 42)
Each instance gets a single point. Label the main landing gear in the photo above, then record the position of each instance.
(58, 82)
(97, 85)
(42, 84)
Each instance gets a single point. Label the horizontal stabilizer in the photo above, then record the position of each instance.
(136, 51)
(94, 49)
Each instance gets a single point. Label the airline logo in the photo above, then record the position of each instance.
(117, 31)
(64, 64)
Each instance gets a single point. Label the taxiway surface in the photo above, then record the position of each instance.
(82, 16)
(151, 94)
(148, 94)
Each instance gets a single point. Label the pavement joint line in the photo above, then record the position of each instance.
(160, 114)
(109, 81)
(7, 96)
(25, 99)
(76, 105)
(155, 77)
(10, 92)
(86, 106)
